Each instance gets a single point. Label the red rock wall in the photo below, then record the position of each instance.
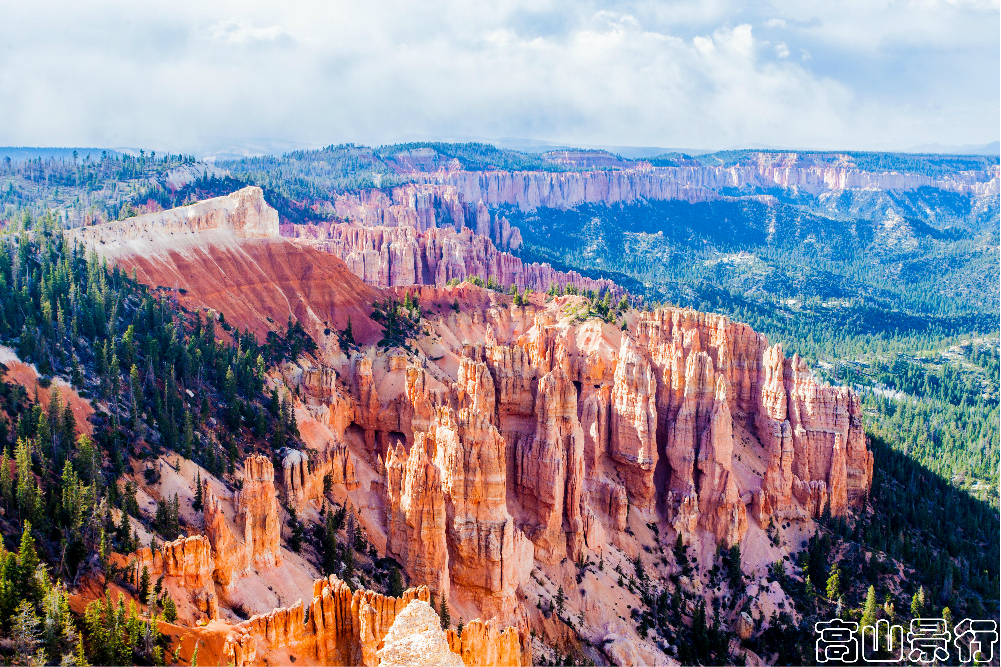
(257, 506)
(188, 560)
(303, 479)
(402, 256)
(416, 521)
(347, 628)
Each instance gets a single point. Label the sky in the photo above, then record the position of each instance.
(197, 76)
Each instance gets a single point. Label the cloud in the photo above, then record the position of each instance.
(239, 32)
(711, 73)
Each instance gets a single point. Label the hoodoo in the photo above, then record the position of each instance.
(496, 452)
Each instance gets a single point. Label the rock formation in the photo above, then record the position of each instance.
(416, 522)
(257, 505)
(549, 470)
(486, 644)
(416, 640)
(304, 478)
(229, 553)
(405, 255)
(633, 424)
(490, 557)
(244, 213)
(562, 190)
(188, 561)
(447, 497)
(256, 521)
(506, 437)
(815, 441)
(342, 627)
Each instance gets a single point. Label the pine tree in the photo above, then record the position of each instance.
(834, 584)
(918, 603)
(870, 609)
(135, 389)
(6, 481)
(25, 634)
(329, 545)
(27, 563)
(188, 444)
(143, 587)
(169, 609)
(395, 582)
(295, 539)
(446, 619)
(199, 499)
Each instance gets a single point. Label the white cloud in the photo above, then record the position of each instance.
(239, 32)
(689, 73)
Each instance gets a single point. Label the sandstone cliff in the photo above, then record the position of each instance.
(532, 189)
(252, 538)
(304, 477)
(508, 443)
(342, 627)
(187, 560)
(407, 255)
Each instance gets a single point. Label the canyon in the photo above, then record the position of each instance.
(425, 425)
(500, 456)
(449, 224)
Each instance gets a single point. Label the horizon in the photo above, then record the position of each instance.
(524, 146)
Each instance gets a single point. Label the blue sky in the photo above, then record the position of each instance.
(203, 76)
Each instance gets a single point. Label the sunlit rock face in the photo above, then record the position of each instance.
(500, 447)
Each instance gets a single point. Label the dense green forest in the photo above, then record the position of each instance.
(140, 353)
(893, 293)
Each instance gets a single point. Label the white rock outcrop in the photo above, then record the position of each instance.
(416, 639)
